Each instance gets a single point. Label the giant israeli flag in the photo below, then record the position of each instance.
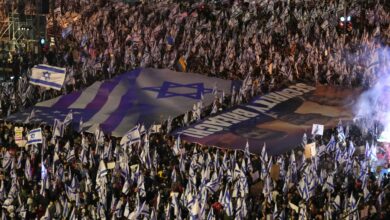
(48, 76)
(142, 96)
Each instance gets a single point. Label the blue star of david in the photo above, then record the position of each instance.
(46, 75)
(163, 91)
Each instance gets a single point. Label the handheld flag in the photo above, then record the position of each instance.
(58, 128)
(132, 136)
(317, 129)
(7, 160)
(34, 136)
(340, 132)
(81, 124)
(66, 32)
(177, 147)
(68, 119)
(228, 206)
(48, 76)
(32, 115)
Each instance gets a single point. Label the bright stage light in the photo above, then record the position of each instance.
(384, 137)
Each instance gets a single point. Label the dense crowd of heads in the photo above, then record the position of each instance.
(275, 42)
(86, 176)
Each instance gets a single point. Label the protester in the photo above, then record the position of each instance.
(84, 176)
(76, 175)
(275, 43)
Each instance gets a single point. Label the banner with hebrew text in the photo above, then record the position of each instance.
(278, 119)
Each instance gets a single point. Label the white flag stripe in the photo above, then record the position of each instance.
(50, 68)
(88, 94)
(111, 104)
(50, 102)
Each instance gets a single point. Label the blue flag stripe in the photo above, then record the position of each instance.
(117, 116)
(35, 131)
(42, 82)
(33, 141)
(51, 69)
(66, 101)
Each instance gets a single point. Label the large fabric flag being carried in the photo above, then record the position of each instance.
(142, 96)
(48, 76)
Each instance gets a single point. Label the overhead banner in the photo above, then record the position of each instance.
(146, 96)
(278, 119)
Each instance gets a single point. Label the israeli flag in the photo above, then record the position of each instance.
(317, 129)
(58, 128)
(43, 172)
(34, 136)
(132, 136)
(113, 106)
(48, 76)
(66, 32)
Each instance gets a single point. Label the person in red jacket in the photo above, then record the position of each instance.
(218, 208)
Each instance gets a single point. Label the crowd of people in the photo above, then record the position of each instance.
(76, 175)
(86, 176)
(275, 42)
